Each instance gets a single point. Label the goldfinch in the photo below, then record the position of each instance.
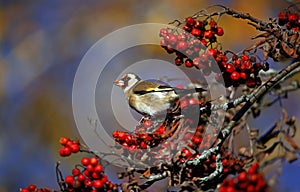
(151, 98)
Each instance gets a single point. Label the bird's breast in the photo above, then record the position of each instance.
(153, 104)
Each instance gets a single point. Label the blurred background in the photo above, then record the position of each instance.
(42, 43)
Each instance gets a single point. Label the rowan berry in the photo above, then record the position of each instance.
(85, 161)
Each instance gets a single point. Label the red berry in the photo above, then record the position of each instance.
(235, 76)
(94, 161)
(230, 189)
(197, 63)
(143, 145)
(245, 57)
(24, 190)
(224, 58)
(198, 24)
(293, 17)
(261, 183)
(242, 176)
(115, 134)
(104, 178)
(213, 24)
(98, 184)
(161, 130)
(95, 175)
(186, 153)
(121, 136)
(253, 169)
(218, 77)
(246, 65)
(208, 34)
(243, 76)
(69, 180)
(65, 151)
(169, 49)
(90, 168)
(225, 170)
(187, 28)
(182, 45)
(253, 178)
(188, 63)
(282, 18)
(193, 101)
(178, 61)
(76, 172)
(163, 32)
(220, 31)
(74, 148)
(190, 21)
(63, 140)
(197, 140)
(196, 32)
(81, 177)
(204, 42)
(129, 138)
(251, 188)
(86, 172)
(85, 161)
(212, 52)
(237, 63)
(171, 38)
(98, 168)
(62, 152)
(181, 37)
(77, 183)
(229, 68)
(88, 182)
(31, 187)
(179, 86)
(69, 143)
(147, 123)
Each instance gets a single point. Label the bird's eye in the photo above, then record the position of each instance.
(126, 79)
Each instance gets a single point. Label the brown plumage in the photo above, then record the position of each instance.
(151, 98)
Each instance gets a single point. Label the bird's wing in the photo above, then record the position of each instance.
(144, 87)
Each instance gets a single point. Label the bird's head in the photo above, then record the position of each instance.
(127, 81)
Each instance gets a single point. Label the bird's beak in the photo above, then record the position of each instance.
(119, 83)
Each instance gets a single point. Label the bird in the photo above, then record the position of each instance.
(152, 98)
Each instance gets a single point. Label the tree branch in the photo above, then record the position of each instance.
(255, 96)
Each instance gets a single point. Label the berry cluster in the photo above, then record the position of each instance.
(197, 142)
(241, 69)
(191, 43)
(250, 181)
(33, 188)
(155, 134)
(141, 139)
(230, 164)
(192, 49)
(151, 133)
(290, 20)
(69, 146)
(89, 176)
